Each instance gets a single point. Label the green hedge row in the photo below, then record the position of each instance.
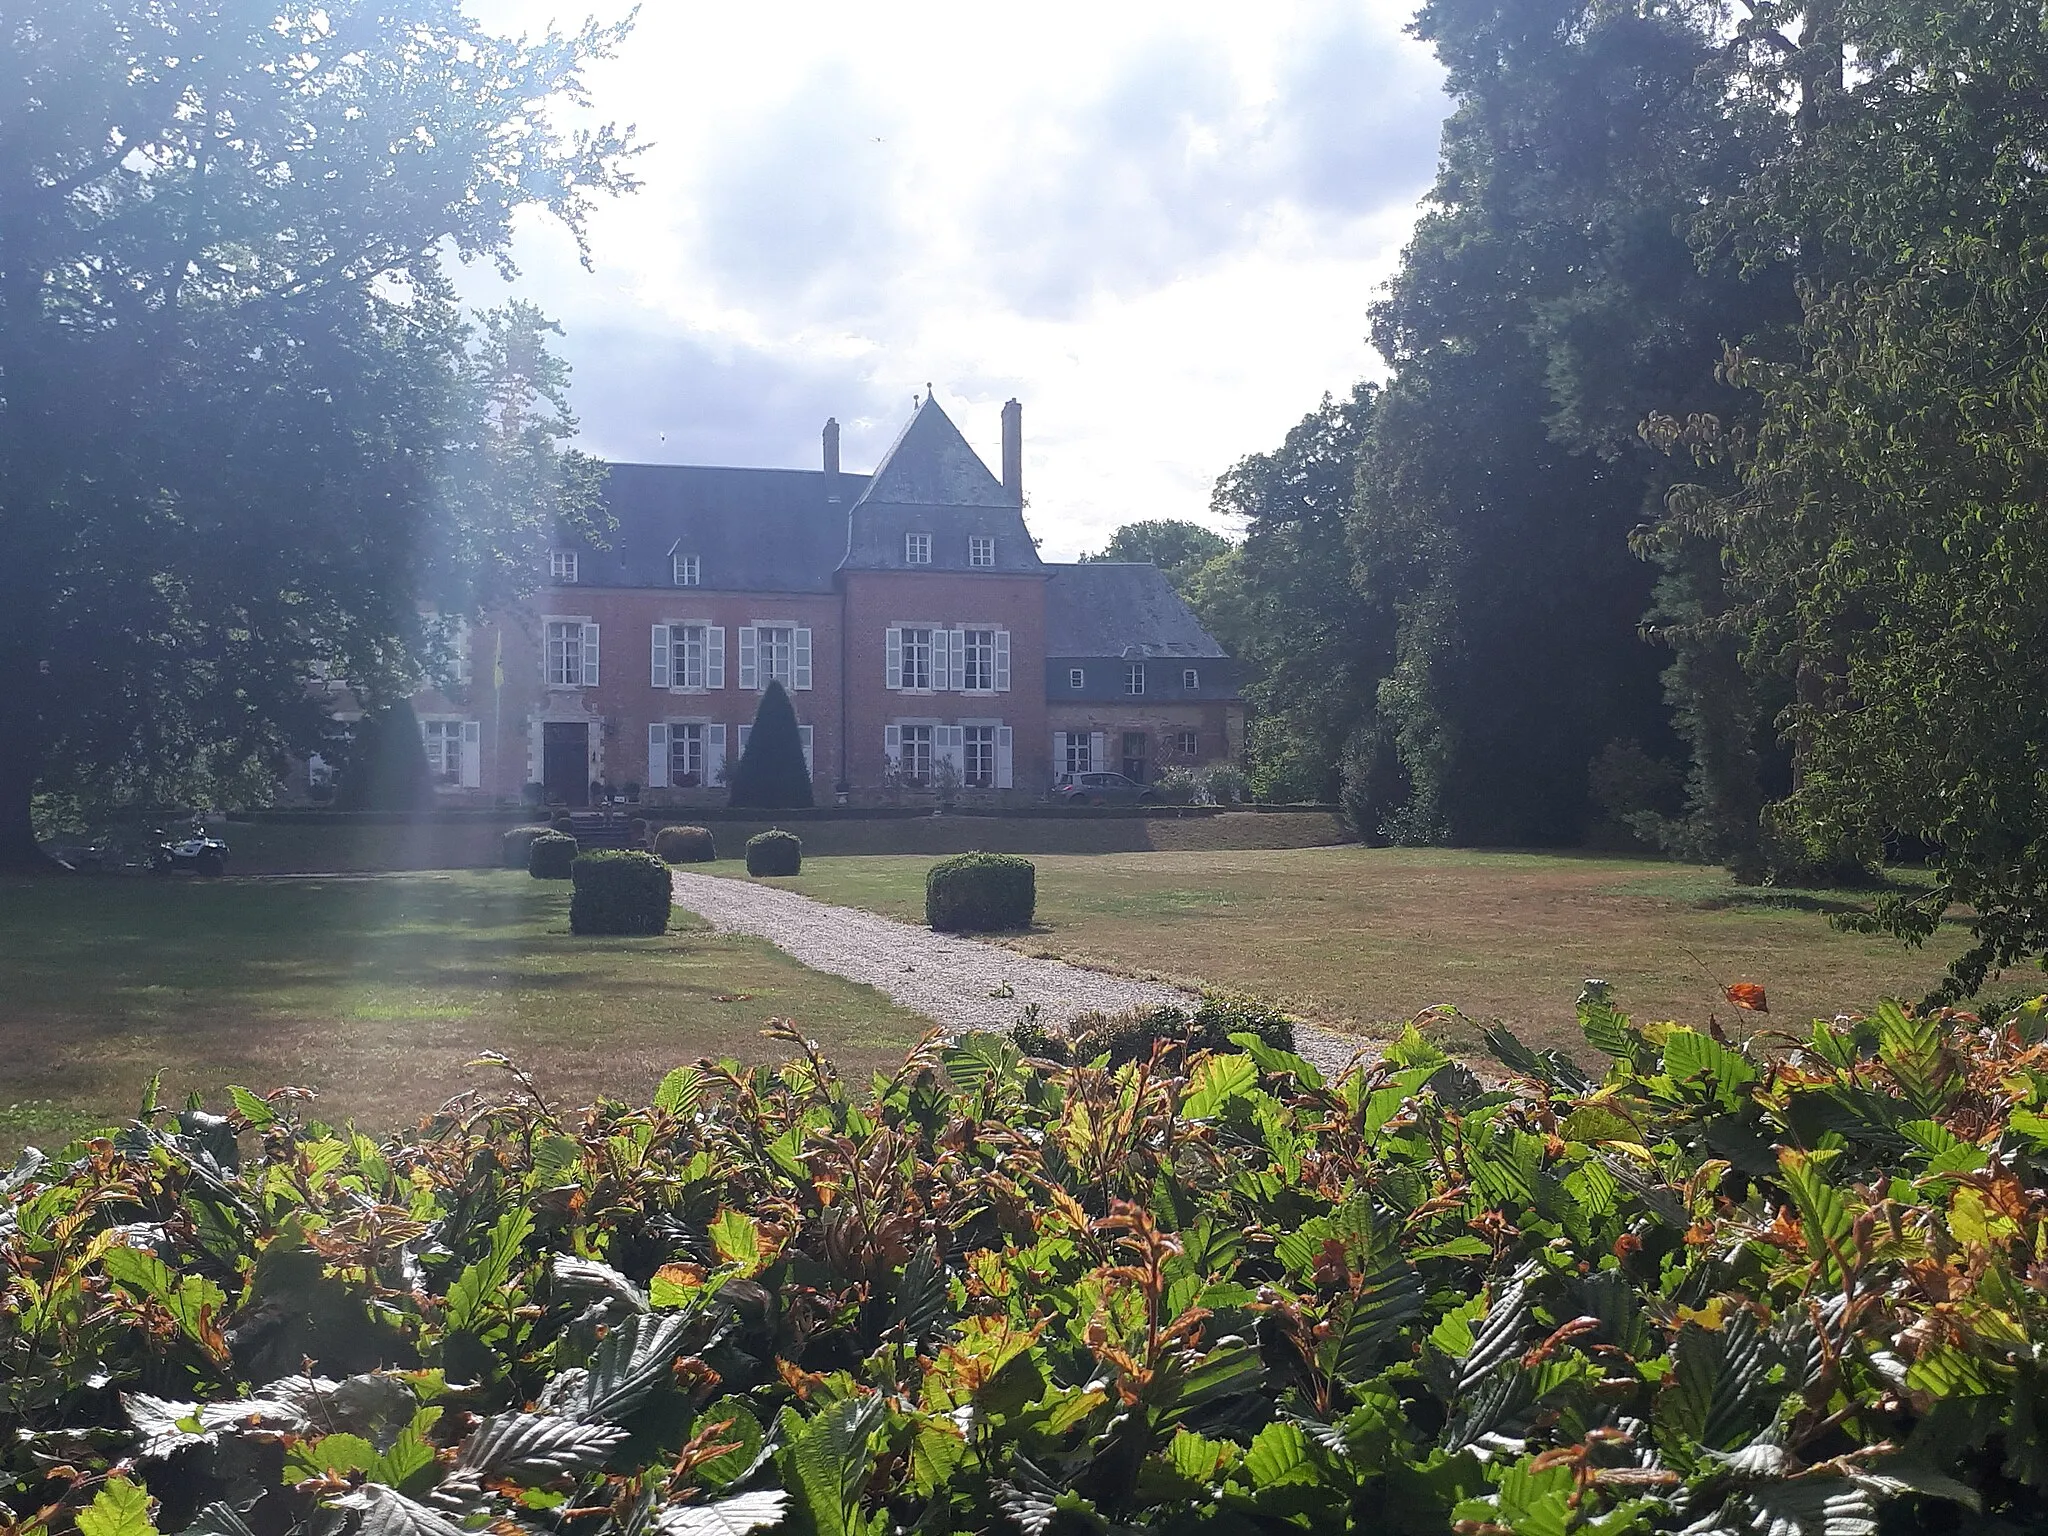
(619, 891)
(980, 893)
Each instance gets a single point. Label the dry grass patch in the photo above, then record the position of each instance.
(376, 991)
(1359, 937)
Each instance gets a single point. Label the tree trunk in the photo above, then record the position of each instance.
(19, 852)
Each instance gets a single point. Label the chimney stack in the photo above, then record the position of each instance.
(832, 445)
(1013, 451)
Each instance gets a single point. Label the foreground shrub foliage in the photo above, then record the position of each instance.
(619, 891)
(775, 852)
(686, 845)
(1780, 1291)
(1133, 1034)
(980, 893)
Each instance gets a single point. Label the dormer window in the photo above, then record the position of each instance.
(917, 549)
(981, 549)
(1134, 677)
(687, 570)
(562, 565)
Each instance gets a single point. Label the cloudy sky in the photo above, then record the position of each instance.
(1157, 224)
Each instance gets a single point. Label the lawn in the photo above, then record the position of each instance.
(1359, 937)
(375, 991)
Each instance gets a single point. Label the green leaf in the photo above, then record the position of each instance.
(383, 1511)
(826, 1459)
(727, 1517)
(1466, 1247)
(633, 1360)
(1911, 1047)
(331, 1456)
(1217, 1080)
(1274, 1062)
(537, 1447)
(257, 1112)
(195, 1301)
(742, 1432)
(1279, 1453)
(483, 1289)
(120, 1508)
(1822, 1214)
(680, 1092)
(736, 1237)
(1691, 1057)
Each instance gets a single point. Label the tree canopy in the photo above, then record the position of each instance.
(248, 433)
(1177, 547)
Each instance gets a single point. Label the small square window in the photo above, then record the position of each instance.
(981, 549)
(1188, 744)
(562, 564)
(1076, 678)
(686, 570)
(917, 549)
(1190, 678)
(1134, 677)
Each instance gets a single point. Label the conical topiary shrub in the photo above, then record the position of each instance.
(772, 774)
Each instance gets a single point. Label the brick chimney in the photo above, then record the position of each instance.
(832, 445)
(1013, 451)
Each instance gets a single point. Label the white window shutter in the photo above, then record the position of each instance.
(1098, 751)
(472, 754)
(1059, 754)
(1002, 661)
(1005, 769)
(892, 650)
(800, 668)
(590, 655)
(662, 674)
(749, 667)
(657, 756)
(804, 731)
(959, 667)
(714, 656)
(714, 753)
(892, 740)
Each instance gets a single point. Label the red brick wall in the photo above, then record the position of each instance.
(1218, 726)
(877, 600)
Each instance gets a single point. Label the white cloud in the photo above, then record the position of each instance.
(1158, 225)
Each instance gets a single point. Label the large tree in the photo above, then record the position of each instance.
(1176, 546)
(248, 433)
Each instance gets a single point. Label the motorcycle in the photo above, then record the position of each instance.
(201, 854)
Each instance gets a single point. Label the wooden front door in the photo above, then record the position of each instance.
(1134, 756)
(565, 762)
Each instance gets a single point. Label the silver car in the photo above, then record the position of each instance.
(1103, 789)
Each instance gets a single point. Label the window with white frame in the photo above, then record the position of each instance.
(571, 653)
(1076, 678)
(686, 655)
(980, 675)
(981, 549)
(686, 756)
(1076, 758)
(978, 759)
(1190, 678)
(687, 570)
(915, 761)
(562, 565)
(917, 658)
(917, 549)
(443, 740)
(1186, 743)
(775, 648)
(1134, 677)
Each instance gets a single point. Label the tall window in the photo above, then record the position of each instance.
(1186, 743)
(776, 649)
(686, 655)
(917, 658)
(1077, 759)
(443, 740)
(686, 570)
(562, 564)
(978, 768)
(1076, 677)
(567, 663)
(916, 761)
(1190, 678)
(917, 549)
(1134, 677)
(981, 549)
(686, 756)
(981, 661)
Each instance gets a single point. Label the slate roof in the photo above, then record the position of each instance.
(753, 530)
(931, 481)
(1118, 608)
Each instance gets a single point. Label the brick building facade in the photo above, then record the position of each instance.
(908, 614)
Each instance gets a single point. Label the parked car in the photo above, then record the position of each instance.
(1102, 789)
(194, 850)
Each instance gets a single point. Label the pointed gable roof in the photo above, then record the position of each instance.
(931, 482)
(930, 465)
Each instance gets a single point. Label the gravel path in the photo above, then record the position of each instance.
(948, 980)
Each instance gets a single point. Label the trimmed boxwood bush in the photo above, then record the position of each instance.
(686, 845)
(619, 890)
(980, 893)
(518, 844)
(549, 856)
(774, 853)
